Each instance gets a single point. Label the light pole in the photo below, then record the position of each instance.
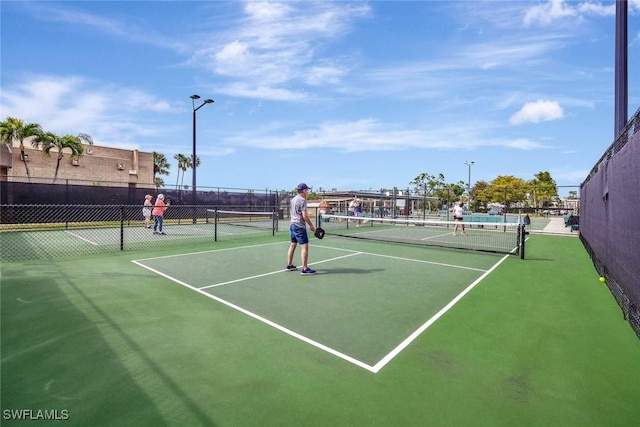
(193, 158)
(469, 164)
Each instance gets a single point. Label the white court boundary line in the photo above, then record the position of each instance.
(77, 236)
(382, 362)
(243, 279)
(263, 319)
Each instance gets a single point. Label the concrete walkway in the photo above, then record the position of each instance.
(556, 226)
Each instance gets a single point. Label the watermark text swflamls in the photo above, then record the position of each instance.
(35, 414)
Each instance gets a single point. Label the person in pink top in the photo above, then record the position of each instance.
(158, 214)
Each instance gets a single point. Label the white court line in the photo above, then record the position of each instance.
(442, 264)
(436, 237)
(387, 358)
(226, 233)
(393, 353)
(268, 274)
(212, 250)
(266, 321)
(81, 238)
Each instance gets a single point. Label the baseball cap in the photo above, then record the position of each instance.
(160, 196)
(302, 186)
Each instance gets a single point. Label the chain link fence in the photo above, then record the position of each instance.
(52, 231)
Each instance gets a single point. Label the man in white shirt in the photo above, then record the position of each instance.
(298, 228)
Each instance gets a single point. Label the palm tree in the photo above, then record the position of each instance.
(51, 141)
(160, 167)
(182, 166)
(16, 129)
(85, 138)
(158, 182)
(186, 165)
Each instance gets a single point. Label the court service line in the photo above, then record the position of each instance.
(265, 320)
(212, 250)
(441, 264)
(393, 353)
(242, 279)
(81, 238)
(436, 237)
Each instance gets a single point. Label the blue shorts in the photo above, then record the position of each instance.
(298, 234)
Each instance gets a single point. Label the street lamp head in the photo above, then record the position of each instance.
(208, 101)
(194, 97)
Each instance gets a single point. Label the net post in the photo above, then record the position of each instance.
(274, 225)
(522, 234)
(215, 224)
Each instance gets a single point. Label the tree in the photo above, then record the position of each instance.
(449, 193)
(158, 182)
(543, 189)
(480, 195)
(190, 165)
(182, 166)
(160, 167)
(83, 137)
(15, 129)
(50, 141)
(507, 189)
(427, 184)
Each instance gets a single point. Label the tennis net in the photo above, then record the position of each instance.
(478, 236)
(235, 222)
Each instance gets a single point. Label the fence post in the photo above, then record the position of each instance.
(122, 227)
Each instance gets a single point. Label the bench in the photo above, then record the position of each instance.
(574, 222)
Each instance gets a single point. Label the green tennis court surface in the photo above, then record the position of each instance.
(362, 306)
(204, 335)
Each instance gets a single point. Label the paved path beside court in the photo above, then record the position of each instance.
(556, 226)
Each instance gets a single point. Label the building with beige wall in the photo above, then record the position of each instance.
(97, 166)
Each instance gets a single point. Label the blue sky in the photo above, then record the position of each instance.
(338, 94)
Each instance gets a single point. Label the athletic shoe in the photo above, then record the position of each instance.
(307, 272)
(291, 267)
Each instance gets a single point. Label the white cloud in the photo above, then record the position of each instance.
(538, 111)
(277, 44)
(73, 104)
(266, 11)
(372, 135)
(555, 10)
(522, 144)
(70, 17)
(246, 90)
